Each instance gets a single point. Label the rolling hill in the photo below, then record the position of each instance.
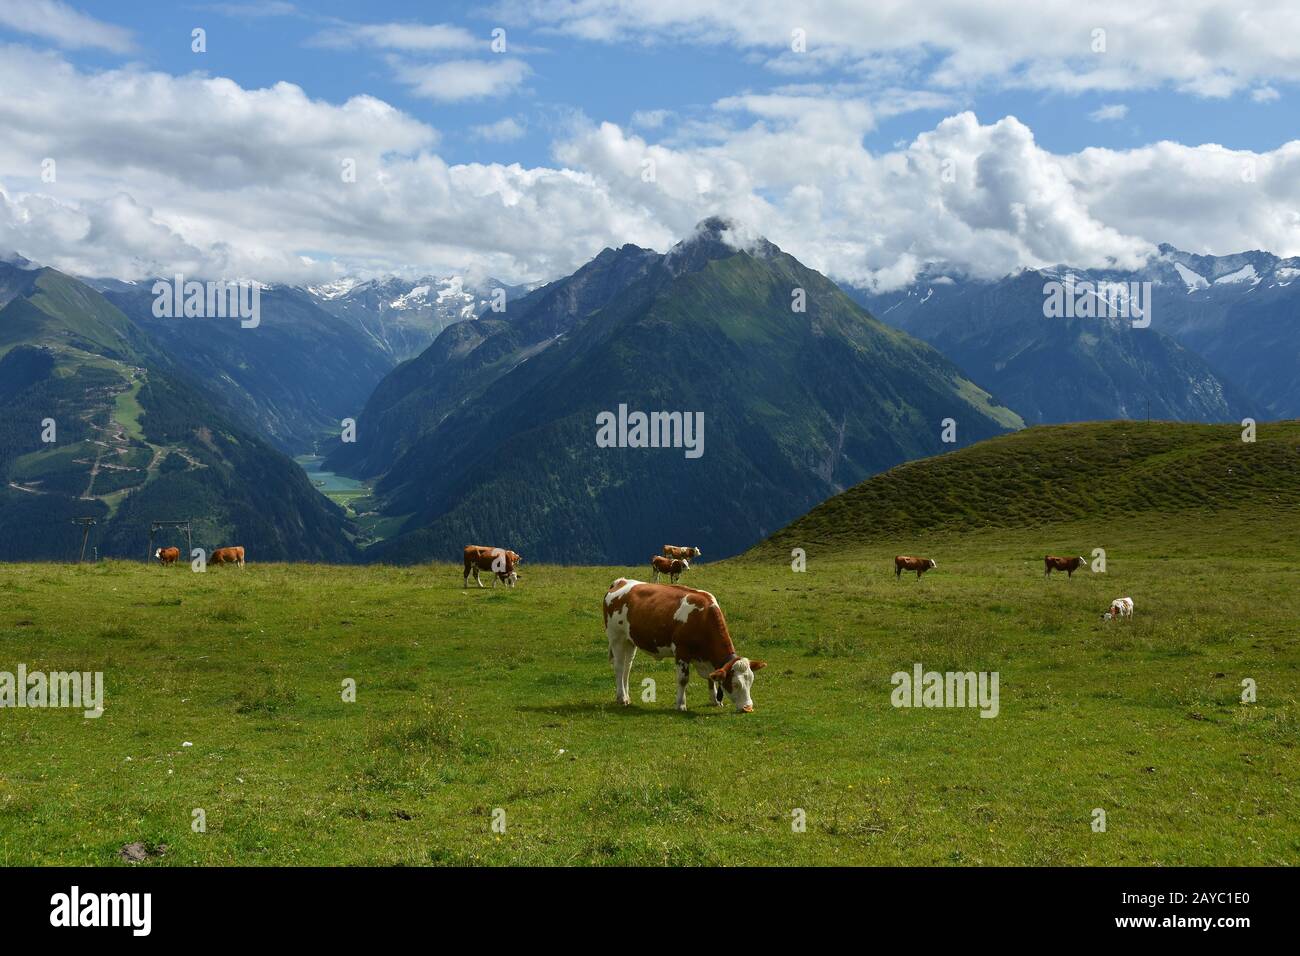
(490, 434)
(1106, 472)
(133, 441)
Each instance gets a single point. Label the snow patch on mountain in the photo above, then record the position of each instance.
(1193, 280)
(1246, 273)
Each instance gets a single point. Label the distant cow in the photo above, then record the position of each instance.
(905, 563)
(168, 555)
(497, 561)
(227, 556)
(1068, 565)
(673, 567)
(672, 551)
(663, 619)
(1120, 607)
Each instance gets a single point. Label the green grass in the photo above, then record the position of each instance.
(470, 701)
(473, 700)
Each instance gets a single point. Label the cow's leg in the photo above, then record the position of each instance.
(466, 584)
(898, 571)
(704, 669)
(623, 652)
(477, 580)
(683, 677)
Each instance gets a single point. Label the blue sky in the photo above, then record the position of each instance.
(986, 136)
(614, 80)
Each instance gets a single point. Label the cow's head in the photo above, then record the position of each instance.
(737, 679)
(158, 554)
(1108, 615)
(696, 552)
(1083, 562)
(512, 579)
(933, 563)
(686, 565)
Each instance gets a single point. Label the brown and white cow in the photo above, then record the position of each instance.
(498, 561)
(907, 563)
(233, 555)
(1119, 608)
(664, 619)
(672, 551)
(168, 555)
(673, 567)
(1069, 565)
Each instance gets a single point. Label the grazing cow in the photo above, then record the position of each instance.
(168, 555)
(673, 567)
(663, 619)
(672, 551)
(227, 556)
(1120, 607)
(1068, 565)
(905, 563)
(499, 561)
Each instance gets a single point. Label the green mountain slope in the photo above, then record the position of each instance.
(134, 442)
(491, 434)
(1101, 471)
(298, 374)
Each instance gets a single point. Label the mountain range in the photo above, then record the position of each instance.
(1223, 340)
(476, 423)
(97, 420)
(491, 433)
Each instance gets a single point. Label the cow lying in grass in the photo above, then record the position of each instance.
(1119, 608)
(673, 567)
(1069, 565)
(905, 563)
(663, 619)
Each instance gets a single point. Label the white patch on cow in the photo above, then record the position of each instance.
(684, 609)
(619, 588)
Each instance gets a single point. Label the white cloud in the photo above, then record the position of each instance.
(406, 37)
(1264, 94)
(56, 21)
(1205, 47)
(651, 119)
(159, 173)
(503, 130)
(455, 80)
(1108, 113)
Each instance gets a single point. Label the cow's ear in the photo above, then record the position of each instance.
(719, 674)
(757, 665)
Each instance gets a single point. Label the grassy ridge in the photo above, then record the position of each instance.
(1107, 471)
(470, 701)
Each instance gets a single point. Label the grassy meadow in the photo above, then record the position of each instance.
(472, 701)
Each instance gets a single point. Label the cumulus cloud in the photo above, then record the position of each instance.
(159, 173)
(1206, 48)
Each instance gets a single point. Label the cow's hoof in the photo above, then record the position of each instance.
(682, 708)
